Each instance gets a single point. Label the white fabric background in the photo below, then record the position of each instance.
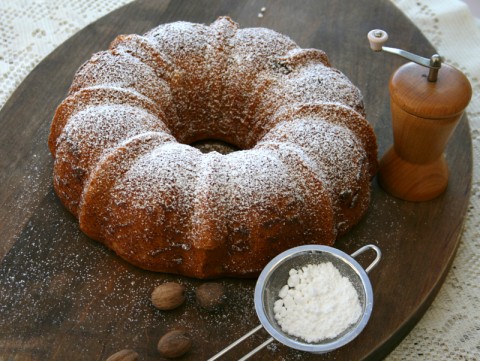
(450, 330)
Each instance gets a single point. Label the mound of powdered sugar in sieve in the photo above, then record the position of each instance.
(317, 303)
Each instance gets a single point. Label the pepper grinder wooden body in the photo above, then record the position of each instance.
(424, 116)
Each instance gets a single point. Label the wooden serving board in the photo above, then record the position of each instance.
(66, 297)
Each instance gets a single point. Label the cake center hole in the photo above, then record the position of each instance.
(214, 145)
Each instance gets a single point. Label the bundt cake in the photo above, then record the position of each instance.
(126, 168)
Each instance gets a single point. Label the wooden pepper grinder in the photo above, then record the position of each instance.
(427, 100)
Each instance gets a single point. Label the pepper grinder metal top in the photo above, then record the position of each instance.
(427, 100)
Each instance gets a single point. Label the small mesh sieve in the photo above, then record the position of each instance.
(275, 275)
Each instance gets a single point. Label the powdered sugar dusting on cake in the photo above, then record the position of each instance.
(98, 127)
(123, 71)
(161, 178)
(337, 154)
(144, 49)
(88, 135)
(332, 148)
(251, 178)
(165, 205)
(236, 182)
(253, 54)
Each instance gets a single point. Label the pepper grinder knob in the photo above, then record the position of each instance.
(427, 100)
(377, 38)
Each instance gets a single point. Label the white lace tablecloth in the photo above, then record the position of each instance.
(450, 330)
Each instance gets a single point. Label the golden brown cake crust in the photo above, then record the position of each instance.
(125, 167)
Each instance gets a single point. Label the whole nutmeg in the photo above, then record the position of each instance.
(174, 344)
(210, 296)
(168, 296)
(124, 355)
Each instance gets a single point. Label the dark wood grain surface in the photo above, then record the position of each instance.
(66, 297)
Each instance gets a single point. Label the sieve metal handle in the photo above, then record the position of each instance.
(366, 248)
(244, 337)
